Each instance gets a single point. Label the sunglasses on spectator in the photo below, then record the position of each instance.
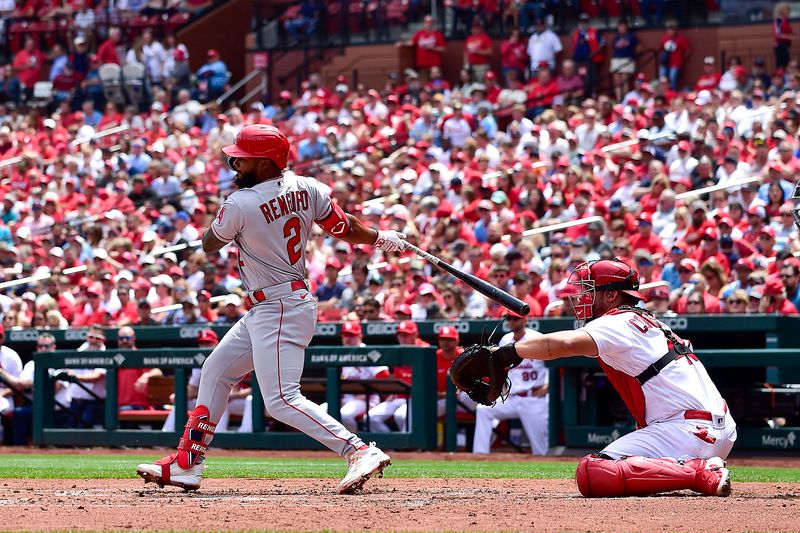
(95, 337)
(125, 337)
(694, 302)
(683, 270)
(736, 302)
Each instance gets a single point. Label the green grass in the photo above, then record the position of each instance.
(124, 466)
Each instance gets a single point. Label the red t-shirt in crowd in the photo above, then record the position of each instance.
(513, 55)
(442, 366)
(707, 82)
(29, 76)
(107, 53)
(424, 40)
(678, 48)
(126, 392)
(477, 42)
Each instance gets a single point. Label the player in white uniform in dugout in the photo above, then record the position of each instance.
(270, 218)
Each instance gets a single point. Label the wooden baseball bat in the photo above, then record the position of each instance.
(484, 287)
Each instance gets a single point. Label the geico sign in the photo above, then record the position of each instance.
(190, 332)
(461, 327)
(23, 335)
(326, 330)
(530, 324)
(675, 322)
(388, 328)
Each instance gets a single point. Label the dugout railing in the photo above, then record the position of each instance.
(180, 361)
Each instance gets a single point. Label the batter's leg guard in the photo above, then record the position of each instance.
(184, 468)
(639, 476)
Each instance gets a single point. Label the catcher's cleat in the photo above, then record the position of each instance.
(714, 479)
(167, 472)
(362, 465)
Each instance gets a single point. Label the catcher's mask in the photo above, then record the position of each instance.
(601, 276)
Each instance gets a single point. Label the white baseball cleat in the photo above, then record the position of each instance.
(362, 465)
(167, 472)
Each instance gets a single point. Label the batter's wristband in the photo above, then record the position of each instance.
(507, 356)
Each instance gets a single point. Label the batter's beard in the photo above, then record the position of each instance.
(245, 180)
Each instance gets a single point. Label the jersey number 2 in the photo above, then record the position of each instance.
(291, 230)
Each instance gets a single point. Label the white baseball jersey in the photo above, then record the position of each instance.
(11, 363)
(271, 224)
(627, 344)
(531, 373)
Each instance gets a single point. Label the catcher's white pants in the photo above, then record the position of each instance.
(271, 339)
(678, 439)
(533, 413)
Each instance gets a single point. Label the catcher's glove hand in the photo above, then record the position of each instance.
(482, 372)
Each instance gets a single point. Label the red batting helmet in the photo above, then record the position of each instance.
(207, 335)
(261, 141)
(601, 276)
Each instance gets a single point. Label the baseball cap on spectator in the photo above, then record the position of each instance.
(212, 52)
(333, 263)
(162, 279)
(756, 292)
(646, 218)
(94, 290)
(189, 300)
(710, 234)
(757, 210)
(407, 326)
(679, 248)
(208, 335)
(688, 264)
(448, 332)
(57, 251)
(773, 287)
(403, 309)
(427, 288)
(709, 60)
(699, 205)
(499, 197)
(682, 180)
(744, 264)
(684, 145)
(658, 293)
(175, 270)
(643, 257)
(767, 230)
(352, 327)
(615, 205)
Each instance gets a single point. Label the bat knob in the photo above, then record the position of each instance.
(525, 310)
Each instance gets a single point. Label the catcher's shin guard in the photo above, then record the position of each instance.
(639, 476)
(184, 468)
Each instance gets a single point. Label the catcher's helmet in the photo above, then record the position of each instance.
(261, 140)
(604, 275)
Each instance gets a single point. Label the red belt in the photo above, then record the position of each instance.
(703, 415)
(260, 295)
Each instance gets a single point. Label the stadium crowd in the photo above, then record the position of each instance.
(464, 167)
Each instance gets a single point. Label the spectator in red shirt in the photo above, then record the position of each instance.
(428, 45)
(774, 299)
(541, 92)
(27, 66)
(107, 52)
(513, 58)
(128, 311)
(783, 34)
(93, 312)
(132, 382)
(709, 79)
(477, 53)
(645, 239)
(673, 52)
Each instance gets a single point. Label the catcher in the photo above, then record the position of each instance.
(684, 430)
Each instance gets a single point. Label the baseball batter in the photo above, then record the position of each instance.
(684, 429)
(270, 218)
(527, 400)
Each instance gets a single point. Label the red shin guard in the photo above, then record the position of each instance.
(197, 435)
(636, 476)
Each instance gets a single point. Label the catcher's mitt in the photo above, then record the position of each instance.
(483, 373)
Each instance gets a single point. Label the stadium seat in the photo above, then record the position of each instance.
(133, 79)
(110, 76)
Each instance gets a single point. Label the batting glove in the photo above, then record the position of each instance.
(390, 241)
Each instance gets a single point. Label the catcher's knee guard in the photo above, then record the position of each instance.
(632, 476)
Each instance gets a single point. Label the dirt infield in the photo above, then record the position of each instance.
(385, 505)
